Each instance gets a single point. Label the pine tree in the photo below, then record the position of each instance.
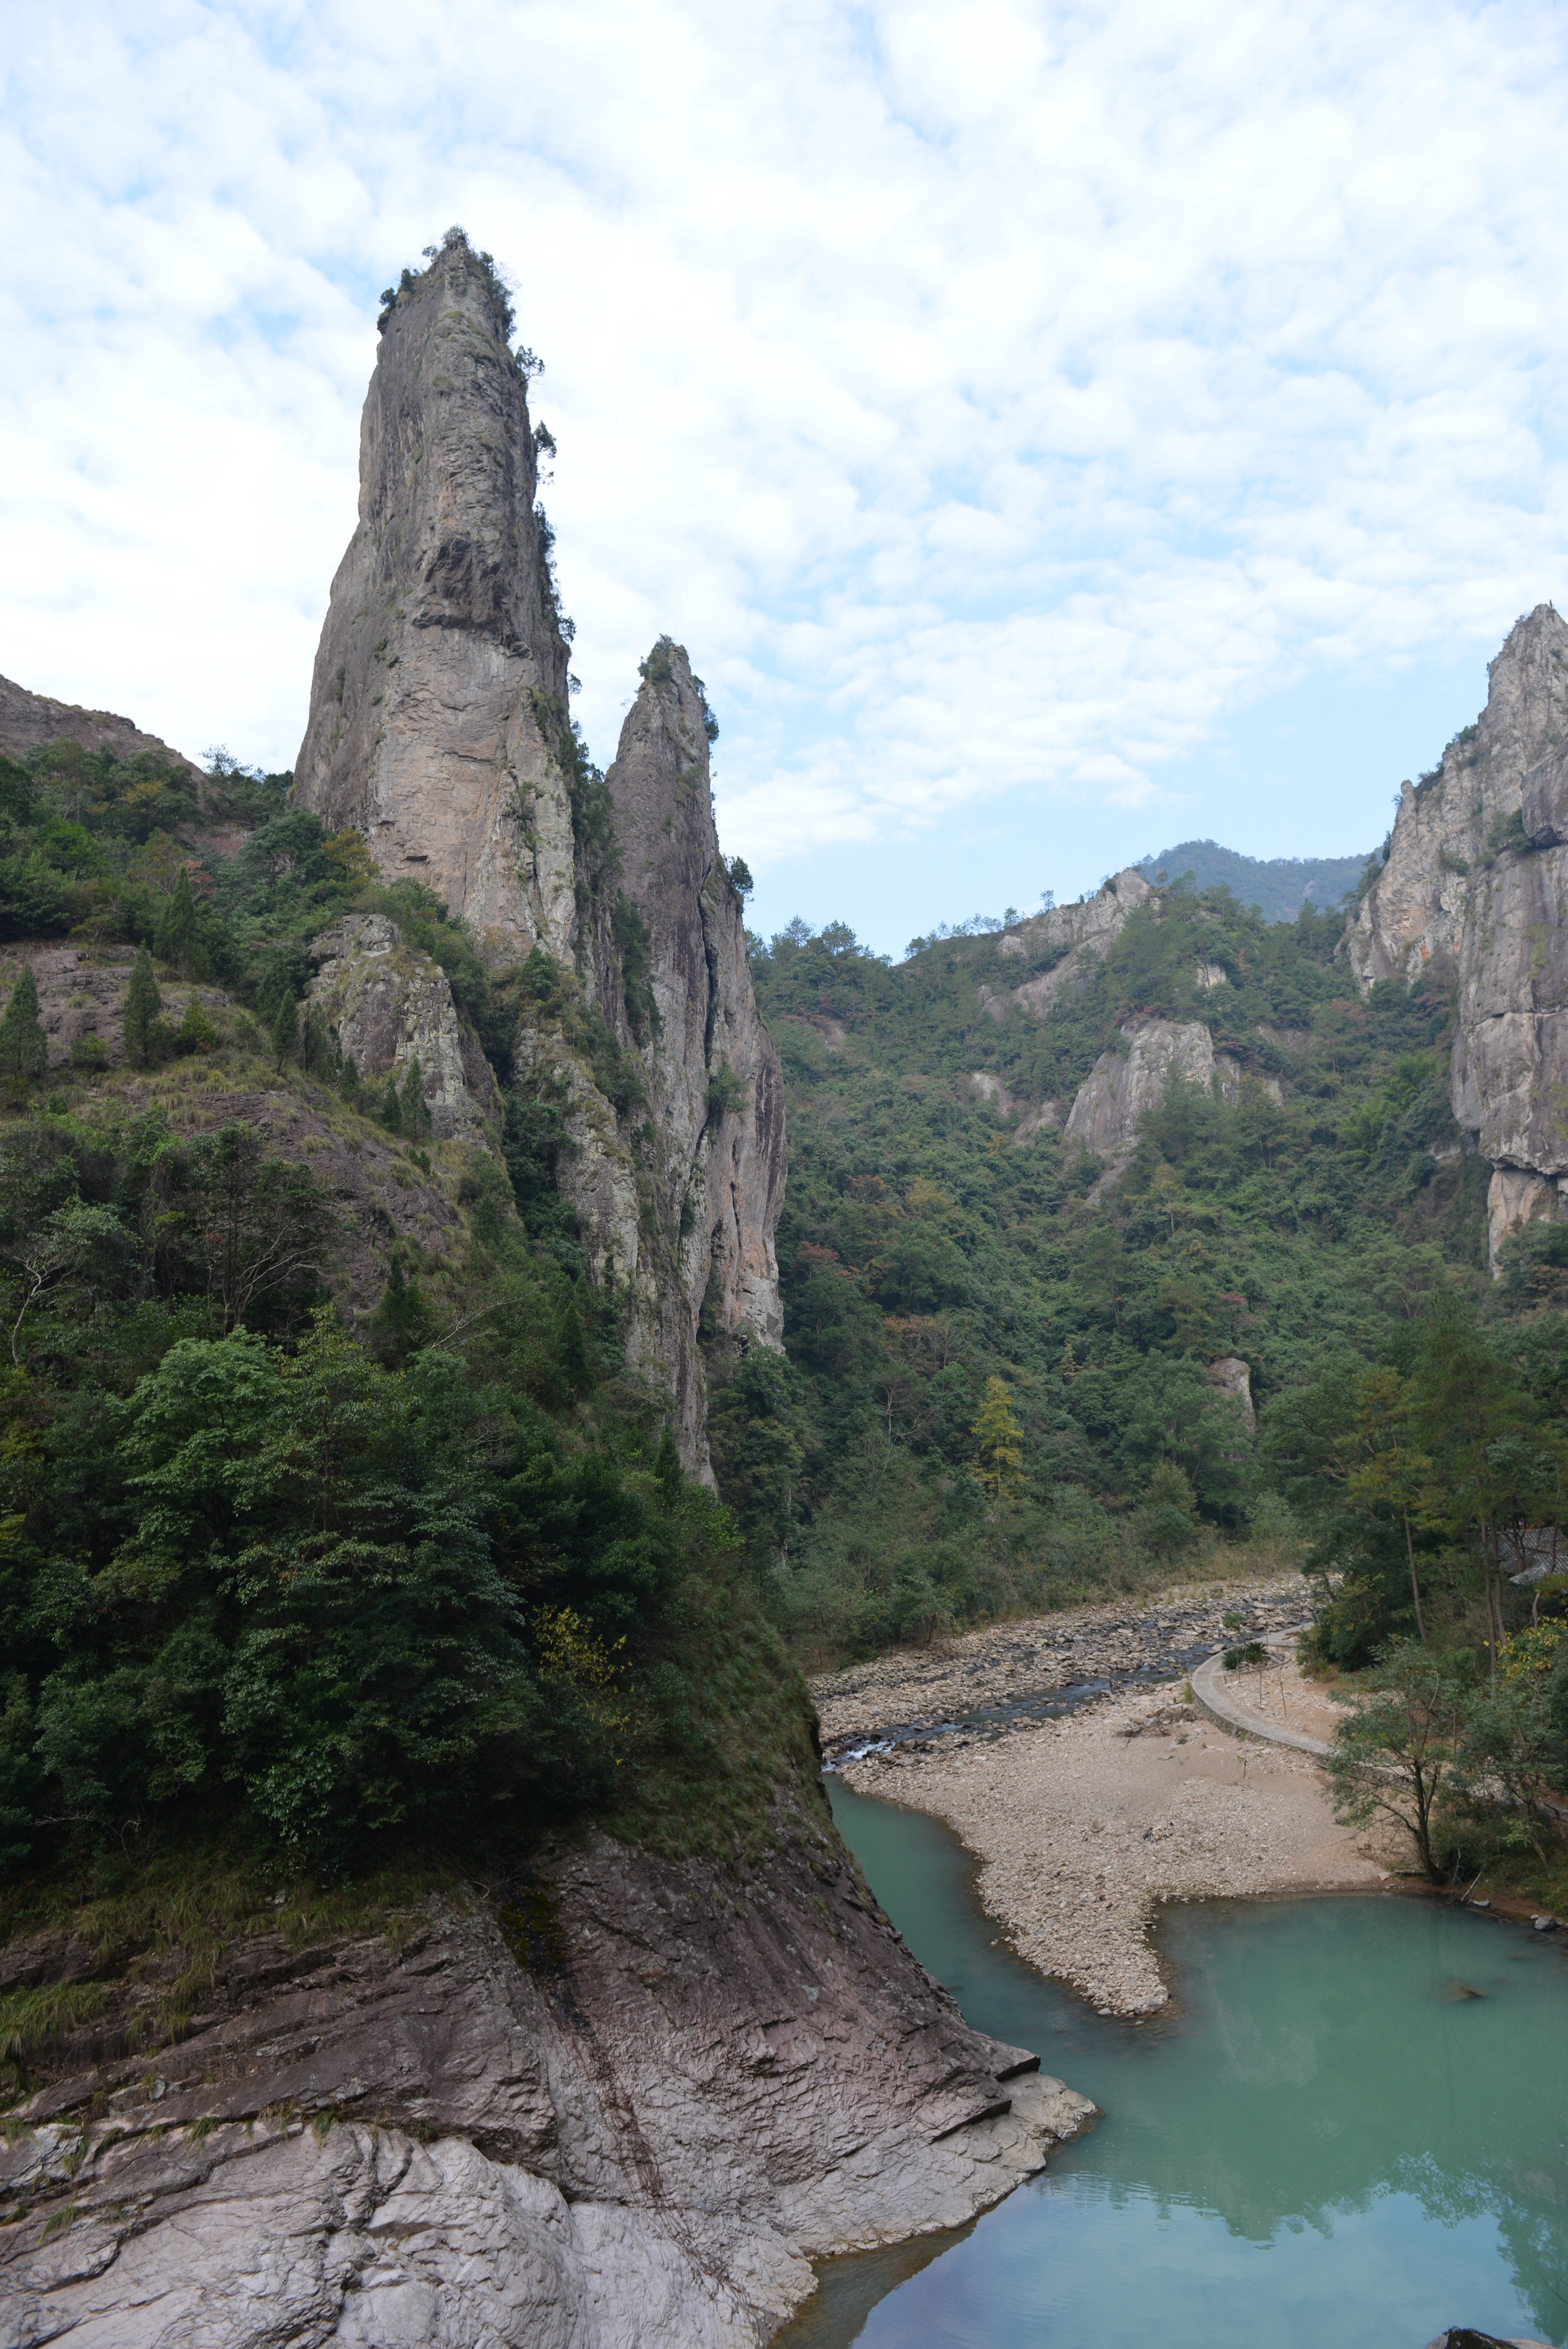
(285, 1030)
(416, 1117)
(174, 939)
(391, 1110)
(403, 1322)
(144, 1028)
(24, 1053)
(1000, 1466)
(348, 1080)
(318, 1045)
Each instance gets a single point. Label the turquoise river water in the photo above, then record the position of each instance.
(1349, 2128)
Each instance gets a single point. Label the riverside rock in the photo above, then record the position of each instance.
(625, 2102)
(1476, 884)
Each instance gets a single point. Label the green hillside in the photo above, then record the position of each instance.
(1278, 885)
(936, 1239)
(286, 1584)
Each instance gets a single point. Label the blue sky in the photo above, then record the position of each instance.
(1055, 431)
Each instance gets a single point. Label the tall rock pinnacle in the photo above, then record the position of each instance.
(439, 700)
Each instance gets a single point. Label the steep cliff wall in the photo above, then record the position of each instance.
(1477, 877)
(623, 2104)
(440, 690)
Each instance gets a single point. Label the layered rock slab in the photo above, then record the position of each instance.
(439, 700)
(696, 2081)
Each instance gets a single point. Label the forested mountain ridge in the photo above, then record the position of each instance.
(1278, 885)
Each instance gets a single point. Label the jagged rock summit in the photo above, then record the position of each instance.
(440, 730)
(438, 723)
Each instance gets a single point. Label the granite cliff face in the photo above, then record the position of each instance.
(438, 709)
(439, 730)
(1475, 882)
(1067, 939)
(621, 2105)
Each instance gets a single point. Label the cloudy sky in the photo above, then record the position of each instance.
(1055, 430)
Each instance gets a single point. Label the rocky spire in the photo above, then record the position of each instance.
(438, 719)
(715, 1089)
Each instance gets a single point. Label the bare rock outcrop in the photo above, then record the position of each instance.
(1448, 824)
(390, 1006)
(438, 708)
(624, 2103)
(1075, 936)
(28, 720)
(1123, 1086)
(1478, 874)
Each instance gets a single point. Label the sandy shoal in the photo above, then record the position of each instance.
(1084, 1826)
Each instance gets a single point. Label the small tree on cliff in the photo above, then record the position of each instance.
(1000, 1465)
(175, 938)
(416, 1117)
(24, 1053)
(145, 1033)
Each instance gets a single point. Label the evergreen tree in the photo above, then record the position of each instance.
(175, 939)
(285, 1030)
(195, 1032)
(1000, 1466)
(403, 1322)
(318, 1045)
(23, 1054)
(144, 1028)
(348, 1080)
(391, 1110)
(416, 1117)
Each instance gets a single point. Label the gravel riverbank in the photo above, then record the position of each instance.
(1084, 1826)
(999, 1677)
(1087, 1810)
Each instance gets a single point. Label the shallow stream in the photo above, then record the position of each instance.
(1350, 2127)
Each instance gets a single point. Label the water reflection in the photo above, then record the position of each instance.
(1323, 2141)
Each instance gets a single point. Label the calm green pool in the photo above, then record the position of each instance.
(1328, 2141)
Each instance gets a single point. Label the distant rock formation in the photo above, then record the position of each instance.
(1123, 1086)
(28, 720)
(1477, 882)
(438, 722)
(1072, 935)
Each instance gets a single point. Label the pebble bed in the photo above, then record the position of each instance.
(1084, 1826)
(1012, 1675)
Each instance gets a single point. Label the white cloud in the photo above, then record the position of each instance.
(991, 397)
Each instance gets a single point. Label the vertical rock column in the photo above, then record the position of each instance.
(678, 989)
(439, 700)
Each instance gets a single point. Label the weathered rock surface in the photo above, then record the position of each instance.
(1422, 899)
(28, 720)
(1075, 936)
(695, 2081)
(439, 694)
(1478, 876)
(390, 1005)
(1123, 1087)
(678, 1194)
(1233, 1379)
